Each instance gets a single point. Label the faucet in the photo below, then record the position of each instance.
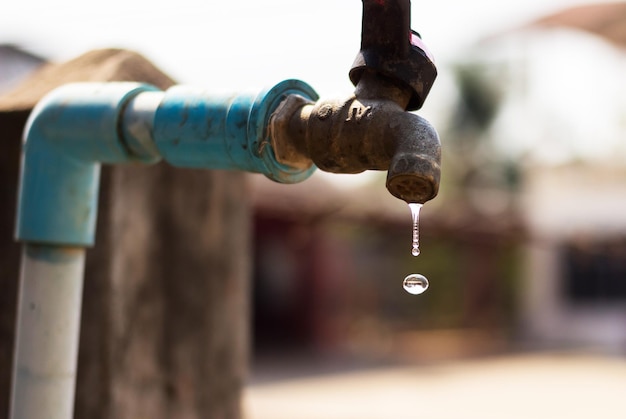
(283, 132)
(371, 129)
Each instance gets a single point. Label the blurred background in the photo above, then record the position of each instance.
(525, 246)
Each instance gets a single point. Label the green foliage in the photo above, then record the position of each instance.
(479, 97)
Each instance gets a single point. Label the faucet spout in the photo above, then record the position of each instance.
(415, 168)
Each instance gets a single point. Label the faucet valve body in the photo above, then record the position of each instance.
(372, 130)
(357, 134)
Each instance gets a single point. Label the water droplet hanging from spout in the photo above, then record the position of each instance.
(415, 215)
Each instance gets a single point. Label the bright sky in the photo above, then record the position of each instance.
(248, 44)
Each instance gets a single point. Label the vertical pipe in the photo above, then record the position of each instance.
(48, 324)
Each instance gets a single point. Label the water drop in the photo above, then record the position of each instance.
(415, 215)
(415, 284)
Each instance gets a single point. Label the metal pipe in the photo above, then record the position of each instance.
(48, 324)
(390, 48)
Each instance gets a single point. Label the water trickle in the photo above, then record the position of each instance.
(415, 215)
(415, 284)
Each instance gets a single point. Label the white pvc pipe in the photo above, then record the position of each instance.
(48, 325)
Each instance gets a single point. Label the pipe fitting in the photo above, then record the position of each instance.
(78, 126)
(68, 134)
(390, 48)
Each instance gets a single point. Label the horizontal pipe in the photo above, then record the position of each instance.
(69, 134)
(79, 126)
(194, 128)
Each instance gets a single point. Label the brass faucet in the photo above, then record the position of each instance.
(373, 128)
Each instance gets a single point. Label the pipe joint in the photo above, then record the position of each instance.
(193, 128)
(68, 134)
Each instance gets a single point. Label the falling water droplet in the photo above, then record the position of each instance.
(415, 215)
(415, 284)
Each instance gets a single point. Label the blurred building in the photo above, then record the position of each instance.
(561, 119)
(15, 65)
(575, 284)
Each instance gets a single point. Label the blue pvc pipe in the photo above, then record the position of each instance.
(69, 133)
(78, 126)
(193, 128)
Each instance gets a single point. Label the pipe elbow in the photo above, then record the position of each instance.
(339, 136)
(68, 134)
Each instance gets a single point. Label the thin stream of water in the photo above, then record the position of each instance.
(415, 216)
(415, 283)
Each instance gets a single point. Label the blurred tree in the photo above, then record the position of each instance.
(479, 197)
(477, 174)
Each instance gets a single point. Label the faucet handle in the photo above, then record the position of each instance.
(390, 48)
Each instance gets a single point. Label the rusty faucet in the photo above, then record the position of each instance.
(281, 132)
(372, 129)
